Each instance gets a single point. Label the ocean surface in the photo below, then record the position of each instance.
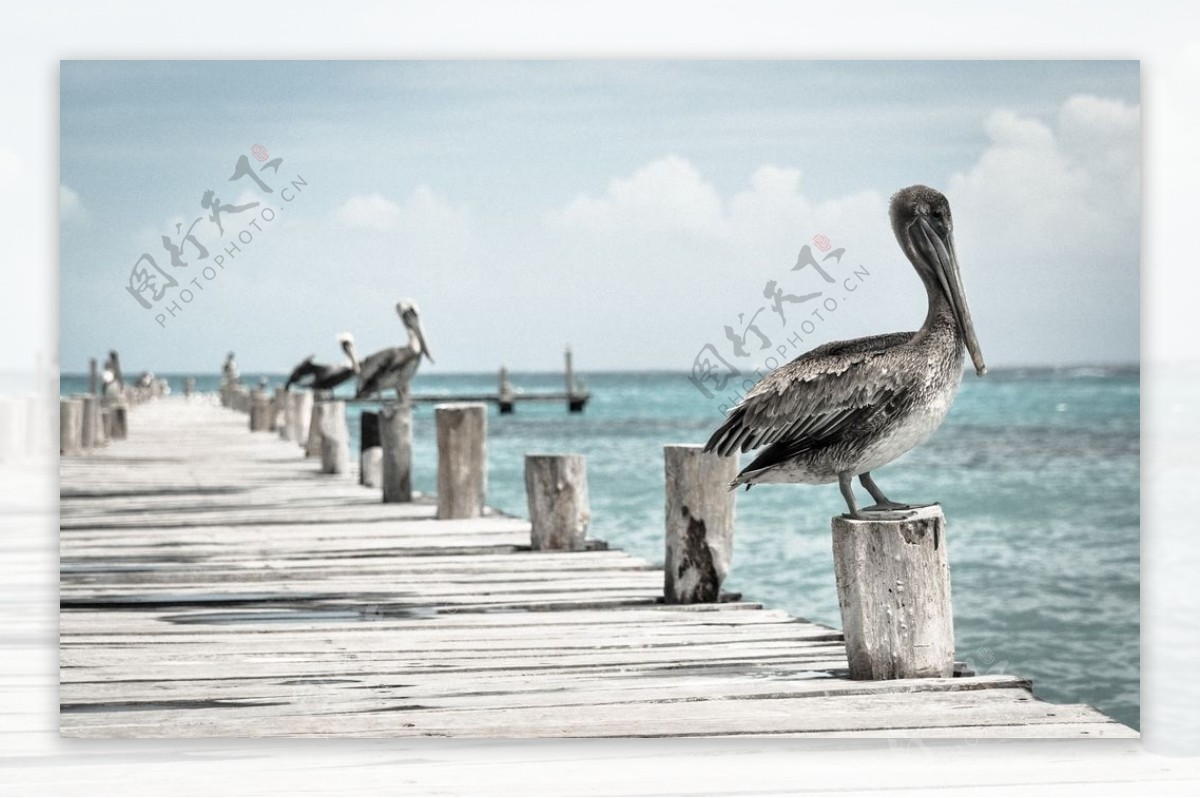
(1037, 471)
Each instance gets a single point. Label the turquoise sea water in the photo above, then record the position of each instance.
(1037, 471)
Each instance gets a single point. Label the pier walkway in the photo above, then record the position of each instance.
(213, 583)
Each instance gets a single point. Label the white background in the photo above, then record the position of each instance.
(1163, 35)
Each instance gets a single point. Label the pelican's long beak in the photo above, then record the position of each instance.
(413, 322)
(420, 333)
(939, 252)
(352, 353)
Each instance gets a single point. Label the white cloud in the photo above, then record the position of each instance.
(665, 195)
(422, 209)
(670, 195)
(373, 211)
(1047, 222)
(1077, 181)
(1049, 215)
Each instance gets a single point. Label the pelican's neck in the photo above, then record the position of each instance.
(414, 340)
(940, 315)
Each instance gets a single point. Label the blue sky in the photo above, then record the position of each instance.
(632, 209)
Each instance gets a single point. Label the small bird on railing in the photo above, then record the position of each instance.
(326, 376)
(392, 369)
(849, 407)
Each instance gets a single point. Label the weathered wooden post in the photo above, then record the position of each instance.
(699, 520)
(103, 423)
(91, 419)
(260, 412)
(70, 426)
(575, 398)
(462, 459)
(284, 421)
(335, 439)
(893, 583)
(301, 415)
(370, 450)
(506, 400)
(557, 492)
(313, 448)
(189, 387)
(120, 420)
(395, 438)
(93, 380)
(279, 404)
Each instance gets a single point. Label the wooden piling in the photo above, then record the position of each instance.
(370, 450)
(699, 523)
(302, 409)
(279, 404)
(91, 420)
(335, 439)
(93, 377)
(462, 459)
(395, 437)
(576, 399)
(241, 399)
(506, 396)
(70, 426)
(893, 583)
(260, 412)
(557, 492)
(189, 387)
(287, 422)
(313, 448)
(103, 424)
(119, 430)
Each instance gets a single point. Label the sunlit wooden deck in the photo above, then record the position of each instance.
(214, 584)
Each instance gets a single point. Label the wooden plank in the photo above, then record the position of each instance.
(999, 706)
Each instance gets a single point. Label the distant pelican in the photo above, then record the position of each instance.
(849, 407)
(393, 368)
(229, 370)
(327, 376)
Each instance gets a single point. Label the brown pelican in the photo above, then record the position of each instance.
(849, 407)
(326, 376)
(393, 368)
(229, 371)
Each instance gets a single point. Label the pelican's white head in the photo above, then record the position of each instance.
(411, 316)
(924, 227)
(346, 341)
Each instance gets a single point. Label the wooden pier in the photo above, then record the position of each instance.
(575, 396)
(215, 583)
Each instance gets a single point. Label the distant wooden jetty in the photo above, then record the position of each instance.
(506, 397)
(216, 582)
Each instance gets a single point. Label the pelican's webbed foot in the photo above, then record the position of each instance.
(881, 507)
(884, 508)
(883, 503)
(872, 514)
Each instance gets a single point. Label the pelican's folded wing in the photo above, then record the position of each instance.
(817, 397)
